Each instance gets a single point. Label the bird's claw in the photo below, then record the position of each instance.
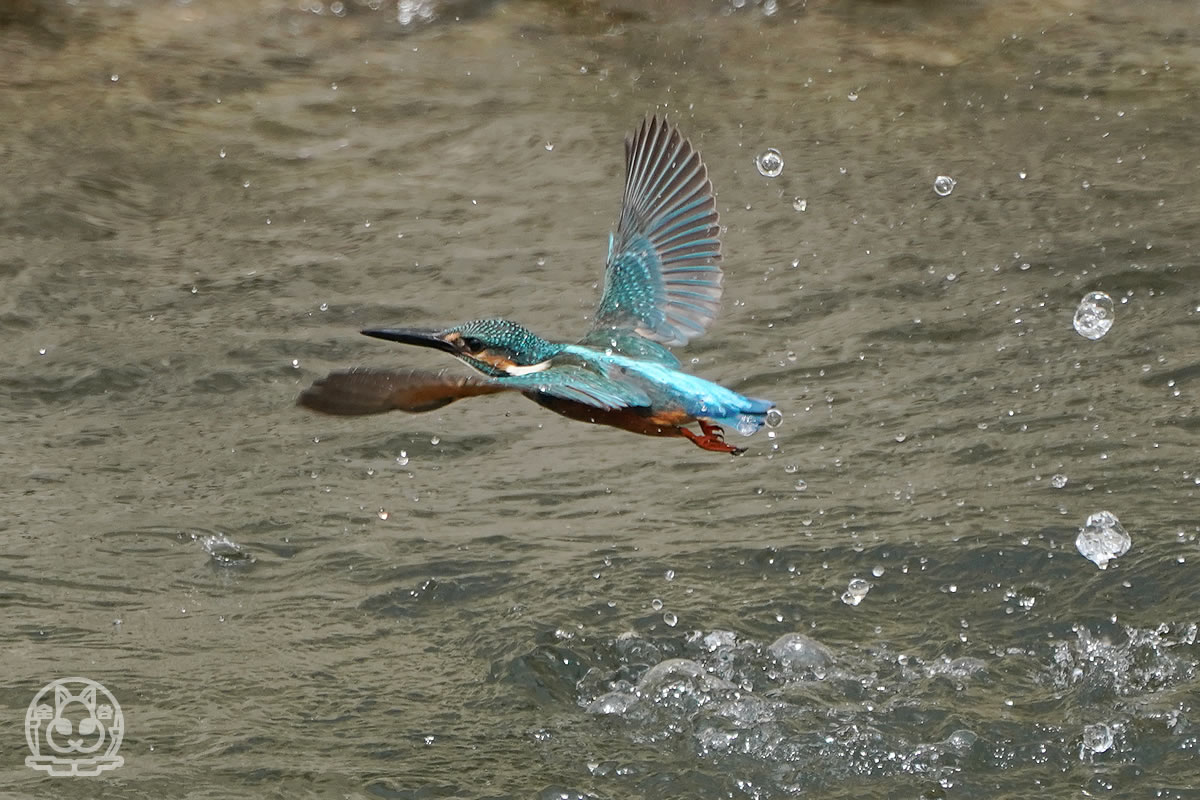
(712, 438)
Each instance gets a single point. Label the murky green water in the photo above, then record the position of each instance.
(204, 202)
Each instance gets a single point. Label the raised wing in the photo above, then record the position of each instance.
(371, 391)
(662, 280)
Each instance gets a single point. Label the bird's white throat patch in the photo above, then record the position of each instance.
(514, 369)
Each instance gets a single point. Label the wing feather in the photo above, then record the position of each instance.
(663, 280)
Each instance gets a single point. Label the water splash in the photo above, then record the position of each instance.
(1094, 317)
(748, 425)
(224, 551)
(1101, 539)
(1097, 738)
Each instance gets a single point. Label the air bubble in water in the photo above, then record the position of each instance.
(943, 185)
(855, 592)
(800, 204)
(1101, 539)
(797, 652)
(769, 163)
(1058, 481)
(1094, 317)
(774, 418)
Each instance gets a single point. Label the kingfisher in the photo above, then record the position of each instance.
(662, 288)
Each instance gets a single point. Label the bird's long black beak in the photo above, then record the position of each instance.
(421, 338)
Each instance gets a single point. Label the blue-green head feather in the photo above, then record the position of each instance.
(495, 347)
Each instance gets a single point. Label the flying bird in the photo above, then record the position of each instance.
(662, 288)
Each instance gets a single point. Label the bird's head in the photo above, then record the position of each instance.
(495, 347)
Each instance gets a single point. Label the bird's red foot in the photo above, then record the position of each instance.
(712, 438)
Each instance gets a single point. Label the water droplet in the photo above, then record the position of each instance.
(878, 570)
(295, 363)
(1094, 317)
(435, 440)
(900, 437)
(1097, 738)
(402, 459)
(222, 153)
(774, 418)
(1101, 539)
(769, 163)
(549, 146)
(1021, 174)
(383, 514)
(791, 469)
(656, 604)
(1058, 481)
(670, 619)
(855, 591)
(800, 204)
(943, 185)
(324, 306)
(41, 351)
(801, 485)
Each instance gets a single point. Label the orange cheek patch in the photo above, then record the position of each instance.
(497, 361)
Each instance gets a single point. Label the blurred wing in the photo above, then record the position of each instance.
(370, 391)
(662, 279)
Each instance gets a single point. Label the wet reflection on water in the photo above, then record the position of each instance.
(205, 202)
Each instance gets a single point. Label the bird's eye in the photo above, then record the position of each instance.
(471, 344)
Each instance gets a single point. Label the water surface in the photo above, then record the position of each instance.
(204, 202)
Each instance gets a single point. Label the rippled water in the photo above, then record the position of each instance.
(205, 201)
